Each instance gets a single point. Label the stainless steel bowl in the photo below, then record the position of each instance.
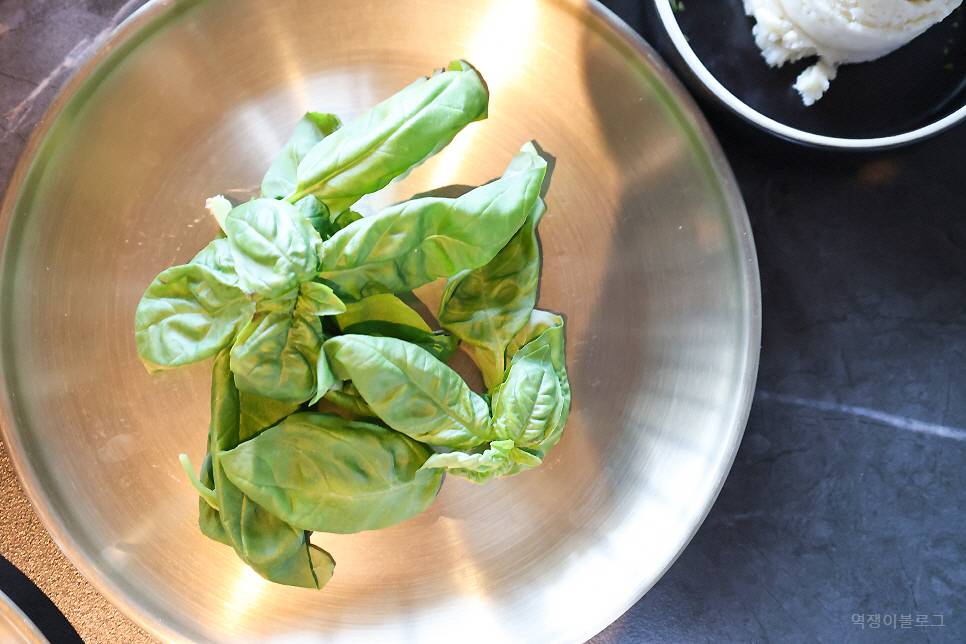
(15, 627)
(647, 251)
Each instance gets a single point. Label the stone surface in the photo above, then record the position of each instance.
(847, 494)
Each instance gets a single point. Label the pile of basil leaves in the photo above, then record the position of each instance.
(300, 299)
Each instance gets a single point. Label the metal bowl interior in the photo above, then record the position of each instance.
(647, 252)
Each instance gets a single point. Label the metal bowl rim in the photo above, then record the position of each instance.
(12, 613)
(142, 18)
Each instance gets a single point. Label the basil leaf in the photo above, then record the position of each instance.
(274, 247)
(191, 312)
(385, 307)
(528, 405)
(440, 345)
(208, 518)
(272, 548)
(410, 390)
(494, 456)
(324, 473)
(348, 397)
(544, 329)
(217, 257)
(518, 460)
(388, 316)
(280, 180)
(528, 415)
(500, 458)
(318, 299)
(219, 207)
(257, 413)
(316, 214)
(411, 244)
(393, 136)
(486, 307)
(276, 355)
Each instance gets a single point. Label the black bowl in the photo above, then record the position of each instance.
(913, 93)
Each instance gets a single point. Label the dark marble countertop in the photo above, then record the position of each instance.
(847, 494)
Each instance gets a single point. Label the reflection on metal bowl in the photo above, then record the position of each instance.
(646, 248)
(15, 627)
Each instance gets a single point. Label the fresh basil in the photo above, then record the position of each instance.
(496, 459)
(208, 518)
(494, 456)
(486, 307)
(277, 354)
(191, 312)
(324, 473)
(544, 328)
(530, 406)
(527, 406)
(280, 181)
(410, 390)
(275, 248)
(371, 150)
(272, 548)
(384, 307)
(348, 398)
(318, 215)
(388, 316)
(302, 300)
(413, 243)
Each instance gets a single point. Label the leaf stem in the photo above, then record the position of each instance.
(206, 493)
(296, 196)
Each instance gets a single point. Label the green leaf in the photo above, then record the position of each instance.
(219, 207)
(410, 390)
(413, 243)
(280, 180)
(324, 473)
(208, 518)
(439, 344)
(277, 354)
(348, 397)
(272, 548)
(275, 248)
(529, 412)
(206, 493)
(528, 405)
(317, 215)
(258, 413)
(393, 136)
(544, 328)
(318, 299)
(486, 307)
(494, 456)
(384, 307)
(388, 316)
(517, 461)
(191, 312)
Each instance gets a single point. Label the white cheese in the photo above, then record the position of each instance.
(837, 31)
